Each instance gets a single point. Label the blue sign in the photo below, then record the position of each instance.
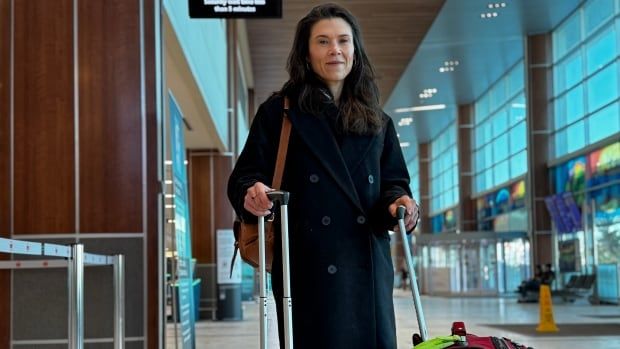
(182, 228)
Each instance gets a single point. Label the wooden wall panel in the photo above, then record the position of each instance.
(222, 210)
(424, 151)
(5, 275)
(110, 116)
(5, 93)
(467, 206)
(152, 334)
(203, 237)
(44, 114)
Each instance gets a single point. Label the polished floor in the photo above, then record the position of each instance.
(439, 313)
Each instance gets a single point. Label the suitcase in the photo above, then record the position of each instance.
(459, 337)
(278, 197)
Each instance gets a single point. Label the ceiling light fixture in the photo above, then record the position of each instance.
(420, 108)
(427, 93)
(493, 6)
(404, 144)
(448, 66)
(405, 121)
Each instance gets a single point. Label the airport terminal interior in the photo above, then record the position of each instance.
(121, 122)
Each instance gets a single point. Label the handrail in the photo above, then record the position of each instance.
(75, 260)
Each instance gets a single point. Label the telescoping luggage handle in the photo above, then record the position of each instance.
(414, 280)
(278, 197)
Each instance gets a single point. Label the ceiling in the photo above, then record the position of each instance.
(485, 49)
(392, 30)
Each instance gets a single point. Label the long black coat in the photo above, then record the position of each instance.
(341, 268)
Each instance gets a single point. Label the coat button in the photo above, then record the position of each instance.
(371, 179)
(326, 220)
(314, 178)
(332, 269)
(361, 219)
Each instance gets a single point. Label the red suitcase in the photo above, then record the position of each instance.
(468, 341)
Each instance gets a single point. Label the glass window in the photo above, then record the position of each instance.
(559, 116)
(501, 172)
(518, 164)
(488, 130)
(479, 183)
(568, 73)
(488, 178)
(574, 104)
(601, 50)
(505, 105)
(603, 87)
(604, 123)
(559, 142)
(500, 123)
(596, 12)
(517, 138)
(517, 110)
(500, 146)
(567, 36)
(498, 94)
(575, 136)
(586, 88)
(444, 165)
(479, 160)
(488, 154)
(482, 108)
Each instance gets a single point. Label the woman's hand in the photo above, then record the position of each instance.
(412, 212)
(256, 201)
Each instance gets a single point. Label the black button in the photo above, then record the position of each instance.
(371, 179)
(361, 219)
(314, 178)
(326, 220)
(332, 269)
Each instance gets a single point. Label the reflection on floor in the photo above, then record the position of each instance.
(440, 313)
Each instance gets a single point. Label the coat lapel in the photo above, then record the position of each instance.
(316, 133)
(354, 150)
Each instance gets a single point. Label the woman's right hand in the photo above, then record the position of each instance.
(256, 201)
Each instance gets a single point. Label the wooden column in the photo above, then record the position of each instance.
(210, 208)
(78, 148)
(424, 156)
(539, 90)
(5, 148)
(467, 206)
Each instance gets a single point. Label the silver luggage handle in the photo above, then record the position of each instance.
(400, 214)
(281, 197)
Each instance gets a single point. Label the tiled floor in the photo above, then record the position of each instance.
(439, 312)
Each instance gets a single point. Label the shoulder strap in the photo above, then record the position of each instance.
(282, 147)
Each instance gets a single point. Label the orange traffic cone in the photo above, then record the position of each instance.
(547, 323)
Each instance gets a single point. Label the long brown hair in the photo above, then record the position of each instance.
(359, 101)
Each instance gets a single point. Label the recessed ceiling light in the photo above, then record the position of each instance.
(405, 121)
(404, 144)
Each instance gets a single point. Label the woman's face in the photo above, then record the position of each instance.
(331, 50)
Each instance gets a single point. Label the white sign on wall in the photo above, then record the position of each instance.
(225, 250)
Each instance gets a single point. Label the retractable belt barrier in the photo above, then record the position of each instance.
(75, 259)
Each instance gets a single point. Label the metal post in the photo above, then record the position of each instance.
(263, 283)
(414, 280)
(119, 301)
(76, 301)
(287, 299)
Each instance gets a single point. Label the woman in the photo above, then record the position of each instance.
(346, 175)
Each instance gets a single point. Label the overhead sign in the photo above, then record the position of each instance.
(235, 8)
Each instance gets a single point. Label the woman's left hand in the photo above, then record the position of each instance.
(411, 215)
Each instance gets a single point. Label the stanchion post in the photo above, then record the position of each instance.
(76, 294)
(119, 301)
